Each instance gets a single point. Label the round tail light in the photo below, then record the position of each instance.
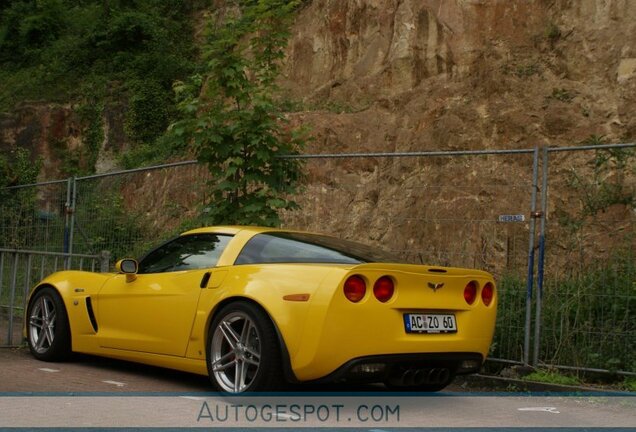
(355, 288)
(383, 289)
(470, 292)
(487, 293)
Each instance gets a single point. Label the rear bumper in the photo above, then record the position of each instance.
(380, 368)
(342, 338)
(338, 332)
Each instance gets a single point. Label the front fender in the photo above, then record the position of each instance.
(74, 287)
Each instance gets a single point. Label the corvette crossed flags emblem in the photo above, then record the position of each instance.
(435, 286)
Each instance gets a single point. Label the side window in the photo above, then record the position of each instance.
(197, 251)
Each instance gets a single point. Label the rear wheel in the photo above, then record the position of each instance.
(243, 353)
(48, 332)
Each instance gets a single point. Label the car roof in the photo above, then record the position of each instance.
(242, 234)
(230, 229)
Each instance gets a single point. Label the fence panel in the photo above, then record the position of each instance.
(468, 210)
(127, 212)
(588, 313)
(20, 270)
(35, 216)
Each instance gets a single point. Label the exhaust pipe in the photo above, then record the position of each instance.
(444, 375)
(438, 376)
(420, 376)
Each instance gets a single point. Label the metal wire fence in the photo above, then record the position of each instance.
(433, 208)
(587, 306)
(482, 209)
(127, 212)
(20, 270)
(35, 216)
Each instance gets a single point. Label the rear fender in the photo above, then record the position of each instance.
(268, 290)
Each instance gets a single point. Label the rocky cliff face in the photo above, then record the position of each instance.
(60, 135)
(466, 73)
(405, 75)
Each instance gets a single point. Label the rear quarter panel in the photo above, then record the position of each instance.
(267, 284)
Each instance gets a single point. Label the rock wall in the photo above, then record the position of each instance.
(408, 75)
(57, 132)
(405, 75)
(467, 73)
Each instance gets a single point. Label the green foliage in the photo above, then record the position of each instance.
(607, 185)
(18, 168)
(17, 206)
(148, 111)
(552, 377)
(93, 132)
(553, 33)
(162, 149)
(523, 70)
(588, 319)
(630, 384)
(233, 121)
(562, 95)
(104, 222)
(95, 50)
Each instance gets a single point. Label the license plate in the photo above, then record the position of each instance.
(430, 323)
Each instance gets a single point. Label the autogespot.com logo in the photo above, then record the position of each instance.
(215, 412)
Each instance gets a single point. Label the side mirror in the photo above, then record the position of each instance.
(128, 267)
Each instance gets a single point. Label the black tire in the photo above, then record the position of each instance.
(243, 360)
(46, 319)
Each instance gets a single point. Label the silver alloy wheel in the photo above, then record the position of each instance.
(42, 324)
(235, 352)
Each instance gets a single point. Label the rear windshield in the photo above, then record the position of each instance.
(281, 247)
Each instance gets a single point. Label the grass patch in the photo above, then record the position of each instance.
(551, 377)
(587, 318)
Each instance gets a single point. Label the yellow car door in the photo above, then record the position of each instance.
(155, 310)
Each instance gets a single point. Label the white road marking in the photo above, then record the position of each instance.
(195, 398)
(49, 370)
(551, 410)
(116, 383)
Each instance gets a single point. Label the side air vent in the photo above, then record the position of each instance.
(91, 314)
(437, 270)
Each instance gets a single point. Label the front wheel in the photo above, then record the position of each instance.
(243, 353)
(48, 331)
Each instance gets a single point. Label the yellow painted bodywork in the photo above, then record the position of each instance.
(163, 319)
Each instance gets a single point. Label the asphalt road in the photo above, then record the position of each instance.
(131, 395)
(20, 372)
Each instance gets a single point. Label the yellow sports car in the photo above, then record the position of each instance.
(255, 308)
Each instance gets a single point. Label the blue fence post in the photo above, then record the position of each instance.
(533, 211)
(67, 209)
(540, 264)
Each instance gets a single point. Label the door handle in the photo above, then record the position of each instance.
(205, 279)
